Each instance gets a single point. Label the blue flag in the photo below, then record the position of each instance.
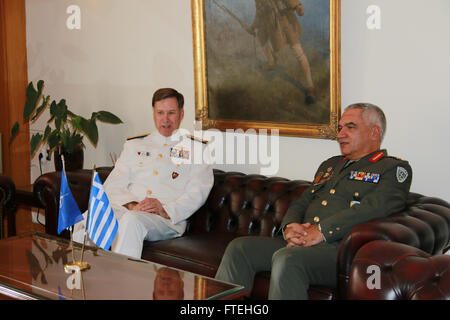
(102, 225)
(69, 213)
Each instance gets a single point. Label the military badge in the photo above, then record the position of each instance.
(352, 203)
(402, 174)
(143, 153)
(182, 153)
(317, 179)
(179, 152)
(364, 176)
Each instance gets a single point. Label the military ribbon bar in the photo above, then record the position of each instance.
(364, 176)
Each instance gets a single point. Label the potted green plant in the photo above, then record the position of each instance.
(66, 135)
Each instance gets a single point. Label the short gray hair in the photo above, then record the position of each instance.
(372, 115)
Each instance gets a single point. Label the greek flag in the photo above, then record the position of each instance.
(102, 225)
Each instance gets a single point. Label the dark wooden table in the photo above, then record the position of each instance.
(32, 267)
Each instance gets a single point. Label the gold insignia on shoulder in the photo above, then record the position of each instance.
(138, 137)
(196, 139)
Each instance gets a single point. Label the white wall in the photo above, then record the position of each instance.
(126, 49)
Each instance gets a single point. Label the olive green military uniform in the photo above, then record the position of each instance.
(342, 196)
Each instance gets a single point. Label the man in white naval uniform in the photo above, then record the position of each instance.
(156, 183)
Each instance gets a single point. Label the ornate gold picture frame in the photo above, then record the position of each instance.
(268, 64)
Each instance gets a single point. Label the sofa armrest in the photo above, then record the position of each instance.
(7, 191)
(7, 198)
(423, 224)
(385, 270)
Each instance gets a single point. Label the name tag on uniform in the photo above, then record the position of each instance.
(364, 176)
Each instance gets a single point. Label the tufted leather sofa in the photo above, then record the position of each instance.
(247, 204)
(7, 197)
(405, 273)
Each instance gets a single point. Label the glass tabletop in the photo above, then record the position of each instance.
(33, 267)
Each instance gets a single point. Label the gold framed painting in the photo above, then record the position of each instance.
(268, 64)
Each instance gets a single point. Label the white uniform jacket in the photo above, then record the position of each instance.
(169, 169)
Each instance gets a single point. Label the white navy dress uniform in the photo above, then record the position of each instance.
(165, 168)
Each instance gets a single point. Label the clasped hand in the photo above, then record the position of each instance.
(150, 205)
(302, 235)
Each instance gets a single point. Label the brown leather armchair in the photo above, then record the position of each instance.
(7, 196)
(248, 204)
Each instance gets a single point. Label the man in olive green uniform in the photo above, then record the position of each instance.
(362, 184)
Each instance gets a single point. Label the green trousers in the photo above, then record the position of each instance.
(293, 270)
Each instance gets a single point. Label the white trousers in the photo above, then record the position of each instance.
(134, 228)
(137, 226)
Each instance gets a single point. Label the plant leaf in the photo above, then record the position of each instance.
(42, 107)
(53, 108)
(14, 131)
(108, 117)
(65, 140)
(32, 97)
(71, 114)
(40, 86)
(58, 122)
(60, 113)
(76, 123)
(34, 142)
(91, 131)
(53, 139)
(47, 132)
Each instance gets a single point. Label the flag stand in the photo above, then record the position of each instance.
(74, 265)
(85, 229)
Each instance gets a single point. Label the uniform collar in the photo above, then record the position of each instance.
(170, 140)
(372, 157)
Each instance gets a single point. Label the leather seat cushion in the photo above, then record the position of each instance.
(197, 253)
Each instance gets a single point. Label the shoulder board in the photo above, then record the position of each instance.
(336, 159)
(377, 156)
(196, 139)
(138, 137)
(397, 158)
(331, 162)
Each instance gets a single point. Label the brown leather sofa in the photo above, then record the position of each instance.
(247, 204)
(406, 273)
(7, 197)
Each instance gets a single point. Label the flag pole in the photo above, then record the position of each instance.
(87, 218)
(70, 265)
